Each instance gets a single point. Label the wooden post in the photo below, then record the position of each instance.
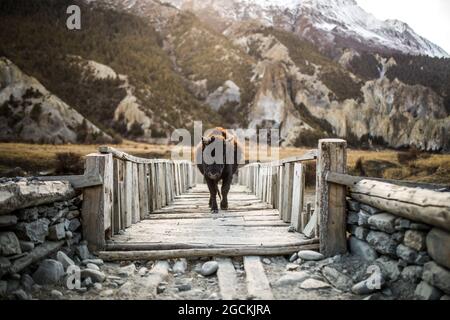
(298, 193)
(98, 201)
(330, 198)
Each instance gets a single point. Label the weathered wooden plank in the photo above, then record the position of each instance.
(287, 192)
(77, 181)
(258, 285)
(128, 188)
(186, 253)
(116, 216)
(331, 202)
(135, 214)
(38, 253)
(298, 194)
(143, 191)
(227, 277)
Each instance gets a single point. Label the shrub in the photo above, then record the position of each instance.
(36, 112)
(69, 163)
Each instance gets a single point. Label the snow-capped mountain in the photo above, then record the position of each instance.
(327, 23)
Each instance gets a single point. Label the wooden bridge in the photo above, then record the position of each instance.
(149, 209)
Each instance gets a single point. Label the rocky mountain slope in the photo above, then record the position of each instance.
(140, 68)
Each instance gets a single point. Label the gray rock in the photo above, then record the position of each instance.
(291, 278)
(382, 242)
(29, 214)
(35, 231)
(383, 221)
(49, 272)
(360, 232)
(27, 282)
(425, 291)
(412, 273)
(398, 236)
(95, 275)
(445, 298)
(8, 221)
(407, 254)
(13, 285)
(92, 266)
(313, 284)
(87, 282)
(437, 276)
(69, 235)
(127, 271)
(57, 232)
(422, 258)
(56, 294)
(267, 261)
(415, 240)
(389, 268)
(402, 224)
(363, 218)
(82, 251)
(107, 293)
(438, 244)
(73, 214)
(353, 205)
(98, 286)
(291, 229)
(309, 255)
(294, 257)
(184, 285)
(420, 226)
(98, 262)
(26, 246)
(372, 284)
(337, 279)
(58, 215)
(4, 266)
(143, 271)
(74, 224)
(352, 218)
(292, 267)
(64, 259)
(21, 295)
(180, 266)
(209, 268)
(9, 244)
(369, 209)
(362, 249)
(3, 288)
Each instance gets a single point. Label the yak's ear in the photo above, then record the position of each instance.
(230, 139)
(205, 141)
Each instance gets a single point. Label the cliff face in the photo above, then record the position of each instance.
(29, 112)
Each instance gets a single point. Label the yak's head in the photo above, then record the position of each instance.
(214, 150)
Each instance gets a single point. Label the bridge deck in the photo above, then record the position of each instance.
(188, 221)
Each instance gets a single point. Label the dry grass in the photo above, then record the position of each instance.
(431, 168)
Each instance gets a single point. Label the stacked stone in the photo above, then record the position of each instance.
(403, 249)
(29, 232)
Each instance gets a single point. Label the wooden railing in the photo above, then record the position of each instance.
(282, 184)
(131, 188)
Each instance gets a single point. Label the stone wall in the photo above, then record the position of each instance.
(38, 221)
(410, 255)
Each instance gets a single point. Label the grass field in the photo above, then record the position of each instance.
(35, 159)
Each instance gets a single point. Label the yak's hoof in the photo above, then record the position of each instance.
(214, 211)
(224, 206)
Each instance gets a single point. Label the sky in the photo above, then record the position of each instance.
(430, 19)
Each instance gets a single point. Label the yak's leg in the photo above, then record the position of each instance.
(213, 189)
(226, 186)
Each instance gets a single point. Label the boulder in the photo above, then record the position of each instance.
(7, 221)
(382, 242)
(425, 291)
(337, 279)
(209, 268)
(437, 276)
(292, 278)
(438, 244)
(9, 244)
(362, 249)
(57, 232)
(360, 232)
(406, 253)
(313, 284)
(402, 224)
(383, 221)
(27, 193)
(35, 231)
(415, 240)
(27, 282)
(309, 255)
(49, 272)
(412, 273)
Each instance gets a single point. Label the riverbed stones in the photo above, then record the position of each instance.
(415, 240)
(383, 221)
(438, 244)
(8, 221)
(56, 294)
(26, 246)
(92, 266)
(382, 242)
(35, 231)
(437, 276)
(292, 278)
(292, 267)
(362, 249)
(95, 275)
(27, 282)
(412, 273)
(98, 262)
(337, 279)
(294, 257)
(425, 291)
(180, 266)
(9, 244)
(49, 272)
(313, 284)
(57, 232)
(209, 268)
(309, 255)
